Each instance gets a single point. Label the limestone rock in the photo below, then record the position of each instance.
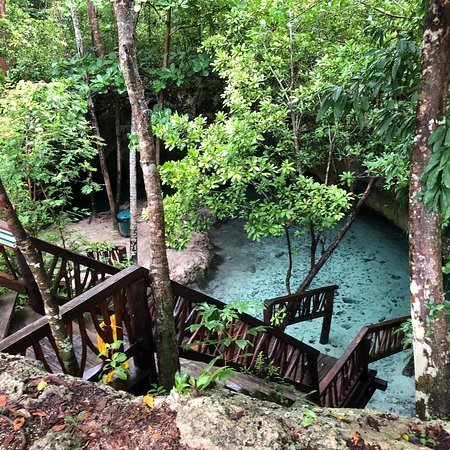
(189, 266)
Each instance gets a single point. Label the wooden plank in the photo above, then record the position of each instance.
(9, 282)
(7, 303)
(72, 256)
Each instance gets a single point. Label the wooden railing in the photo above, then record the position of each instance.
(350, 373)
(70, 273)
(296, 361)
(125, 296)
(304, 306)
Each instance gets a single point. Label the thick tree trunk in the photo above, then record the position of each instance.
(3, 65)
(167, 348)
(431, 347)
(133, 203)
(338, 238)
(97, 40)
(34, 262)
(94, 121)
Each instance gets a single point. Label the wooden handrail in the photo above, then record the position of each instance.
(297, 362)
(118, 292)
(373, 342)
(75, 257)
(304, 306)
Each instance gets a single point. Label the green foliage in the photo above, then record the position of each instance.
(114, 362)
(309, 419)
(278, 317)
(220, 323)
(436, 176)
(45, 148)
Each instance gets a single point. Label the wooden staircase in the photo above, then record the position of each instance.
(90, 291)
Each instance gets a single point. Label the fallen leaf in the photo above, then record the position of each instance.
(8, 440)
(23, 412)
(55, 380)
(149, 401)
(2, 401)
(18, 423)
(39, 413)
(59, 427)
(156, 436)
(42, 385)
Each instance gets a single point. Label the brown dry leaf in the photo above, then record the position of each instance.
(39, 413)
(8, 440)
(59, 427)
(2, 401)
(156, 436)
(18, 423)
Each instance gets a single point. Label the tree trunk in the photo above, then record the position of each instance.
(165, 64)
(133, 203)
(97, 40)
(431, 347)
(94, 121)
(3, 65)
(118, 150)
(34, 262)
(167, 348)
(338, 238)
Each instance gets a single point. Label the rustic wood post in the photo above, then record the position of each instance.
(142, 327)
(33, 293)
(328, 315)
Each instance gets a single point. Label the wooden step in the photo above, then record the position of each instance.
(7, 303)
(21, 318)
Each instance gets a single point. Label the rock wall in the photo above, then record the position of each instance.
(220, 420)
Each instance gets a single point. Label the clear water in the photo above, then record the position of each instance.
(370, 266)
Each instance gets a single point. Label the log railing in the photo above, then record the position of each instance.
(297, 362)
(304, 306)
(350, 373)
(125, 296)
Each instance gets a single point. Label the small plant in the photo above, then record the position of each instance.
(115, 362)
(218, 329)
(75, 421)
(309, 419)
(278, 317)
(180, 383)
(156, 389)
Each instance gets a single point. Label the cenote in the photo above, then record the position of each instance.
(370, 266)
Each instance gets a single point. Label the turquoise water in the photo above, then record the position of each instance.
(370, 266)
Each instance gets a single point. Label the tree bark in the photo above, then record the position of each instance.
(3, 65)
(431, 347)
(97, 40)
(34, 262)
(165, 65)
(118, 150)
(167, 348)
(94, 121)
(338, 238)
(133, 203)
